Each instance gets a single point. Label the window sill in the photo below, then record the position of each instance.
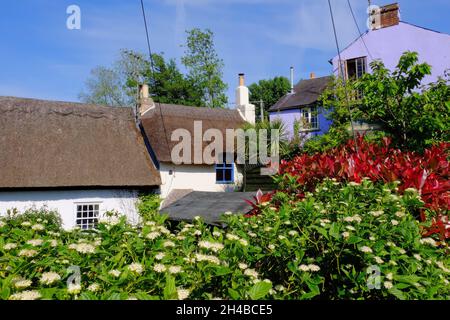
(224, 182)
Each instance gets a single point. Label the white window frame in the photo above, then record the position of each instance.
(357, 65)
(89, 225)
(310, 111)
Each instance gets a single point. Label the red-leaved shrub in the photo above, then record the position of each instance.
(427, 172)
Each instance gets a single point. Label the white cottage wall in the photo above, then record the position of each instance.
(65, 202)
(195, 177)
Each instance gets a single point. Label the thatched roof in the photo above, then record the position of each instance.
(160, 122)
(50, 144)
(306, 93)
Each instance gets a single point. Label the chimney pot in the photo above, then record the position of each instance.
(292, 80)
(145, 102)
(241, 79)
(312, 75)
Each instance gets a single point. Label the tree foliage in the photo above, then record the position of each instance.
(415, 116)
(205, 67)
(269, 91)
(119, 84)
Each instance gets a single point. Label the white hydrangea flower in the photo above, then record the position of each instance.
(232, 237)
(182, 293)
(271, 247)
(25, 224)
(168, 244)
(346, 234)
(441, 265)
(54, 243)
(379, 260)
(389, 276)
(153, 235)
(399, 214)
(243, 266)
(417, 256)
(2, 224)
(49, 278)
(159, 268)
(115, 273)
(35, 242)
(203, 257)
(293, 233)
(388, 284)
(366, 249)
(303, 267)
(394, 222)
(38, 227)
(429, 241)
(350, 228)
(27, 253)
(216, 234)
(251, 273)
(85, 248)
(136, 268)
(197, 233)
(22, 283)
(26, 295)
(94, 287)
(252, 234)
(174, 269)
(214, 246)
(377, 213)
(243, 242)
(10, 246)
(160, 256)
(74, 288)
(313, 267)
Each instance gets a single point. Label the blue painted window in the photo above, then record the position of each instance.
(311, 118)
(224, 172)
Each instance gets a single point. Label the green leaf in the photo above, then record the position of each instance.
(233, 294)
(170, 291)
(222, 271)
(397, 293)
(259, 290)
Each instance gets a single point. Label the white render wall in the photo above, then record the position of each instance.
(195, 177)
(65, 202)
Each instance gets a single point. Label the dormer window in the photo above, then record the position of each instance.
(356, 68)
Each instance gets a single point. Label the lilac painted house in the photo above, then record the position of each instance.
(387, 39)
(301, 105)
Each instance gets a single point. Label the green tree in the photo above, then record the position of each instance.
(118, 85)
(205, 67)
(269, 91)
(414, 116)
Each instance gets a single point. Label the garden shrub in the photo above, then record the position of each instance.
(311, 248)
(51, 218)
(148, 205)
(428, 172)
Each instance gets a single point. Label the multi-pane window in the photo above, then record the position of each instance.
(356, 68)
(310, 118)
(224, 171)
(87, 215)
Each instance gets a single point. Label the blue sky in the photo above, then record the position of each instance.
(41, 58)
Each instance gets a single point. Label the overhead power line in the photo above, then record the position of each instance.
(342, 72)
(152, 66)
(359, 30)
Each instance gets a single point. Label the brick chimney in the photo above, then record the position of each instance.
(385, 16)
(145, 102)
(243, 105)
(312, 75)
